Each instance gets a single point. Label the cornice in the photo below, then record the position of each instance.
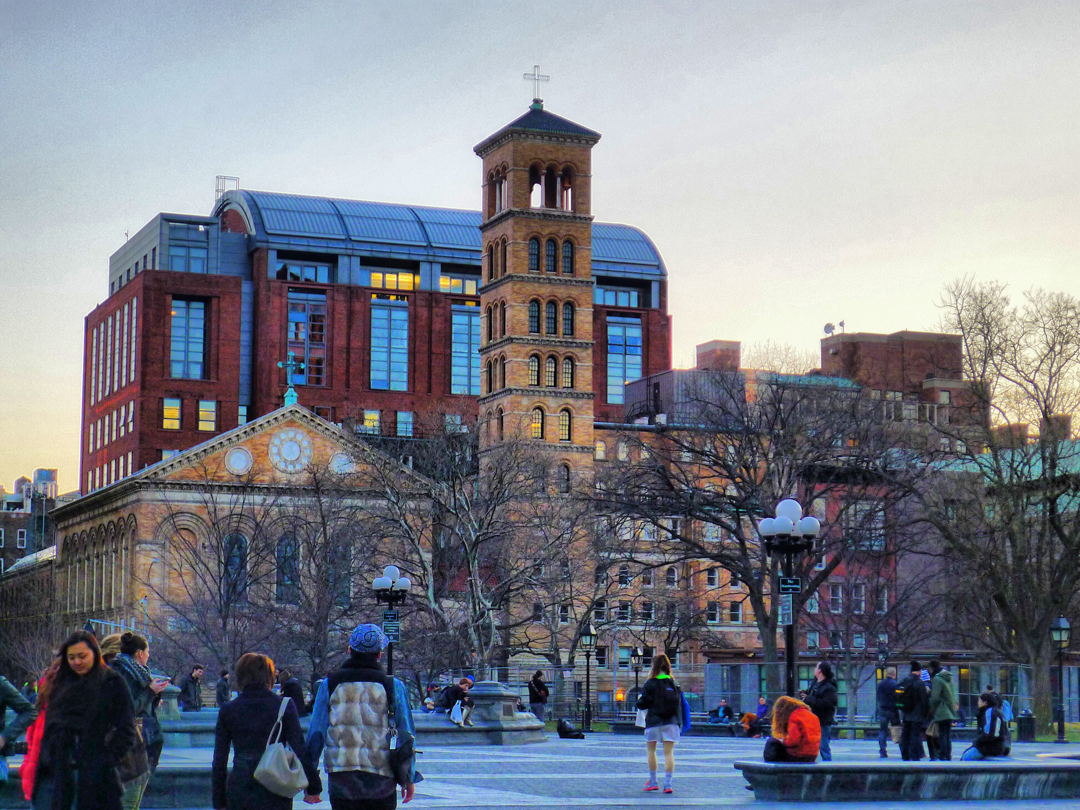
(521, 340)
(543, 278)
(517, 134)
(544, 444)
(548, 214)
(554, 393)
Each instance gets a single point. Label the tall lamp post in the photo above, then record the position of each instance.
(588, 645)
(636, 658)
(1060, 631)
(391, 588)
(789, 533)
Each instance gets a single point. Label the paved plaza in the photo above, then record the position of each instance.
(607, 770)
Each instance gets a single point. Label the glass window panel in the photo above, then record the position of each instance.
(207, 414)
(624, 356)
(404, 423)
(390, 345)
(170, 415)
(465, 351)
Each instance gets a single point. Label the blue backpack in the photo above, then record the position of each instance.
(685, 726)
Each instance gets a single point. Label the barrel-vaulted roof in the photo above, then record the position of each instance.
(295, 222)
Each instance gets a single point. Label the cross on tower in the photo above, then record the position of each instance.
(536, 77)
(291, 366)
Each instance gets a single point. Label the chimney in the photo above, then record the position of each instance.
(719, 355)
(1011, 436)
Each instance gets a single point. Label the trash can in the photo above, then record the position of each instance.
(1025, 728)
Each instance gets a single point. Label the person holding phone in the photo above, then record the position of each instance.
(131, 664)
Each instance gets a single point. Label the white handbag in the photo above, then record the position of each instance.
(639, 721)
(279, 769)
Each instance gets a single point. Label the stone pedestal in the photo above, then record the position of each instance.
(169, 708)
(495, 721)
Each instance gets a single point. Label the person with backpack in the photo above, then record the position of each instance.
(662, 700)
(993, 738)
(538, 695)
(913, 699)
(823, 697)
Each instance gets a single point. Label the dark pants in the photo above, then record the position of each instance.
(884, 735)
(943, 746)
(911, 749)
(825, 748)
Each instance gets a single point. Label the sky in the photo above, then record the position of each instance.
(796, 163)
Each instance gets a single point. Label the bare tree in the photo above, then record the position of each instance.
(782, 358)
(30, 627)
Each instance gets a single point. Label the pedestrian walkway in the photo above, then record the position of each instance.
(606, 770)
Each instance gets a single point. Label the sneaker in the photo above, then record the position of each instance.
(669, 790)
(649, 786)
(884, 756)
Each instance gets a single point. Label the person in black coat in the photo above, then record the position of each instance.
(914, 700)
(291, 688)
(222, 690)
(190, 686)
(89, 727)
(823, 697)
(888, 714)
(538, 695)
(244, 724)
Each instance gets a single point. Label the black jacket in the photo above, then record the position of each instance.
(110, 732)
(222, 692)
(292, 689)
(190, 694)
(538, 691)
(454, 694)
(244, 724)
(993, 739)
(914, 699)
(649, 700)
(886, 701)
(823, 698)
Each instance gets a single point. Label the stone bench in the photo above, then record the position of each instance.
(911, 781)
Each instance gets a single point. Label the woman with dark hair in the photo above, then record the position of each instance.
(244, 724)
(661, 697)
(131, 664)
(823, 697)
(290, 688)
(796, 733)
(89, 727)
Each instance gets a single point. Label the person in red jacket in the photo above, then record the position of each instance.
(28, 769)
(797, 731)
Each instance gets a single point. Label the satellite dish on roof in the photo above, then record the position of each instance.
(829, 329)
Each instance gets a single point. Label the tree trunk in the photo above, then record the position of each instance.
(1042, 701)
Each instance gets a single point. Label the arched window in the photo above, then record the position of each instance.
(538, 423)
(601, 451)
(551, 318)
(564, 478)
(568, 372)
(288, 570)
(671, 577)
(490, 324)
(550, 253)
(534, 255)
(534, 317)
(235, 579)
(534, 370)
(502, 319)
(565, 422)
(491, 263)
(550, 366)
(568, 258)
(499, 423)
(502, 372)
(503, 253)
(568, 319)
(490, 376)
(567, 191)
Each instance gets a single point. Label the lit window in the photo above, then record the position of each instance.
(601, 451)
(538, 423)
(565, 426)
(622, 451)
(465, 285)
(465, 350)
(187, 346)
(534, 317)
(568, 372)
(207, 414)
(394, 281)
(170, 414)
(534, 370)
(371, 422)
(568, 320)
(169, 454)
(390, 343)
(735, 612)
(550, 367)
(307, 336)
(404, 423)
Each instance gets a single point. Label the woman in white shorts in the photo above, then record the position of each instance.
(661, 698)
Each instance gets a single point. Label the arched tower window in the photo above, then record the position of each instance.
(671, 578)
(538, 423)
(565, 425)
(534, 317)
(534, 370)
(568, 319)
(490, 377)
(550, 256)
(490, 324)
(491, 262)
(568, 372)
(564, 478)
(502, 319)
(566, 190)
(551, 313)
(502, 372)
(499, 423)
(551, 192)
(534, 255)
(568, 258)
(550, 370)
(536, 187)
(502, 253)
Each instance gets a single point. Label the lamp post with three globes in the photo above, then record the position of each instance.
(391, 588)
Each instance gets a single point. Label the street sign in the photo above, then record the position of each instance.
(391, 625)
(787, 614)
(790, 584)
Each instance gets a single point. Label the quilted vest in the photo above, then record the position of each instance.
(356, 736)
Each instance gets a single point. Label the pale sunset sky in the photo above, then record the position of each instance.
(795, 162)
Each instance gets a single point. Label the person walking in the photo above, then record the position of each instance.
(796, 732)
(914, 700)
(244, 725)
(145, 690)
(190, 686)
(538, 696)
(888, 714)
(291, 688)
(28, 769)
(222, 690)
(351, 721)
(661, 697)
(89, 727)
(11, 699)
(823, 697)
(943, 706)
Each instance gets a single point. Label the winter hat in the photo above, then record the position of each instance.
(368, 638)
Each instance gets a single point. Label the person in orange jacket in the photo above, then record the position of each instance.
(28, 769)
(796, 732)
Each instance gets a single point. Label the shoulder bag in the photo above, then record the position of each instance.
(401, 744)
(279, 769)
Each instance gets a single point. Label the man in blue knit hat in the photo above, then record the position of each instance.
(351, 722)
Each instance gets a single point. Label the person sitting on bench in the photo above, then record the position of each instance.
(722, 713)
(993, 739)
(796, 733)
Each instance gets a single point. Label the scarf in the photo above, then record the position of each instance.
(133, 669)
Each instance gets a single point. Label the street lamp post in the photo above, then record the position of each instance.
(391, 588)
(1060, 631)
(588, 645)
(636, 657)
(882, 655)
(789, 533)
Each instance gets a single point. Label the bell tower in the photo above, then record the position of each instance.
(537, 292)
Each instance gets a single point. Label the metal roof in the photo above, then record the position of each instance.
(291, 221)
(537, 119)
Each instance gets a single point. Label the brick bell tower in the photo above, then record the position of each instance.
(537, 292)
